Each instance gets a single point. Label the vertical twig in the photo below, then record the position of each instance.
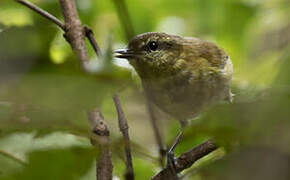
(123, 125)
(74, 30)
(101, 136)
(154, 122)
(157, 134)
(125, 19)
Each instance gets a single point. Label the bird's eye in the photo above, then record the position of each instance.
(153, 45)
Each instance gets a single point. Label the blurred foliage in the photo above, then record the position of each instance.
(44, 97)
(47, 165)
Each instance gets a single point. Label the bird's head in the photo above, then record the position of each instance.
(152, 54)
(155, 55)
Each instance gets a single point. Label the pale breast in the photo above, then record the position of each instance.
(184, 97)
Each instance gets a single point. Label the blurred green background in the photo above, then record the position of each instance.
(44, 96)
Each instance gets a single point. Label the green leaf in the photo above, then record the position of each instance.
(70, 163)
(14, 148)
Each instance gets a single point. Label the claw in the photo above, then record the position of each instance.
(171, 161)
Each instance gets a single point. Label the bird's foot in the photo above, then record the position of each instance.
(171, 165)
(171, 161)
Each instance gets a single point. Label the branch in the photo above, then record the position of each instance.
(75, 31)
(43, 13)
(102, 138)
(90, 35)
(187, 159)
(123, 125)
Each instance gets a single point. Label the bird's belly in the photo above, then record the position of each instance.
(184, 100)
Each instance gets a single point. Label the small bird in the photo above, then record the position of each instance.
(181, 75)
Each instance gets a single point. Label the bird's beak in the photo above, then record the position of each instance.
(124, 53)
(127, 53)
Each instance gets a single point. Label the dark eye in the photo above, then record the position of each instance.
(153, 45)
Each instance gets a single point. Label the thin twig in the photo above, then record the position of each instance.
(101, 136)
(125, 19)
(157, 134)
(123, 125)
(187, 159)
(155, 122)
(88, 31)
(75, 31)
(43, 13)
(91, 37)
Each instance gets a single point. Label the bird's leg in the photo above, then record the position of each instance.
(171, 163)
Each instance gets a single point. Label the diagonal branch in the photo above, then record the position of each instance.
(43, 13)
(123, 125)
(187, 159)
(90, 35)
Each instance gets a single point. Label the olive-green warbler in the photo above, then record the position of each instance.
(182, 75)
